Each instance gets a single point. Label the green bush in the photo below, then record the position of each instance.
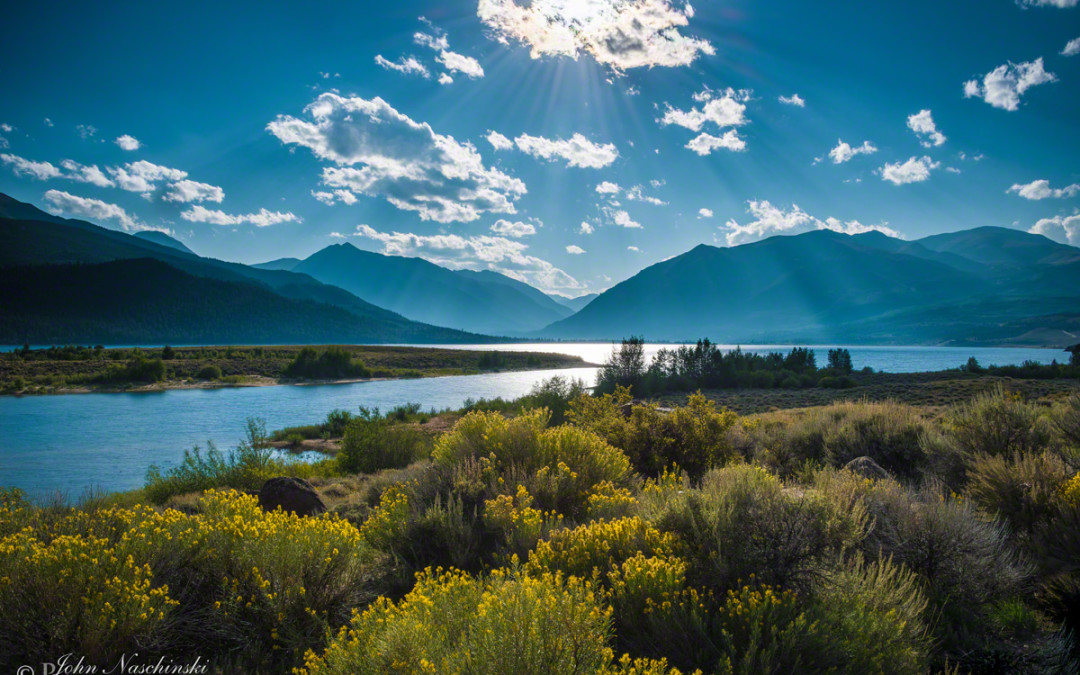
(1024, 490)
(998, 423)
(334, 362)
(371, 443)
(209, 373)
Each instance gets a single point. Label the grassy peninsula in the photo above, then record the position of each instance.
(76, 369)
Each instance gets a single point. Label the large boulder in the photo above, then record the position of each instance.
(293, 495)
(867, 468)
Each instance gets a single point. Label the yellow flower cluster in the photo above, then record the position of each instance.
(522, 525)
(644, 584)
(388, 525)
(1070, 492)
(607, 501)
(599, 546)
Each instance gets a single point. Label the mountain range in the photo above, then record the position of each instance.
(986, 285)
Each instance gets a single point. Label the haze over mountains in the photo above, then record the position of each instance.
(982, 286)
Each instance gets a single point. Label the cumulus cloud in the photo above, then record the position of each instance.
(621, 34)
(185, 191)
(1003, 86)
(143, 176)
(63, 203)
(585, 227)
(620, 218)
(704, 144)
(1072, 48)
(633, 249)
(574, 250)
(127, 142)
(25, 167)
(85, 174)
(915, 170)
(922, 123)
(382, 153)
(576, 151)
(498, 141)
(452, 61)
(1062, 229)
(335, 197)
(263, 218)
(705, 213)
(516, 230)
(844, 152)
(500, 254)
(445, 79)
(794, 99)
(608, 188)
(770, 220)
(406, 65)
(1040, 189)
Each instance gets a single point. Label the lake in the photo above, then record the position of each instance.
(70, 443)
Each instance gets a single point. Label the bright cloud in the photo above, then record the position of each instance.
(705, 213)
(30, 168)
(622, 34)
(1062, 229)
(401, 160)
(498, 141)
(922, 123)
(334, 197)
(704, 144)
(574, 250)
(503, 255)
(1072, 48)
(185, 191)
(128, 143)
(406, 65)
(585, 227)
(844, 152)
(770, 220)
(620, 218)
(637, 194)
(459, 63)
(633, 249)
(263, 218)
(576, 151)
(915, 170)
(726, 110)
(85, 174)
(794, 99)
(1003, 86)
(1062, 4)
(143, 176)
(63, 203)
(1040, 189)
(516, 230)
(608, 188)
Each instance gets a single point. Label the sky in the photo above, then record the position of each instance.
(566, 143)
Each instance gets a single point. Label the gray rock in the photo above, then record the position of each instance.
(867, 468)
(293, 495)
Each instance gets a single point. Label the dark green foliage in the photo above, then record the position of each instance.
(168, 353)
(372, 442)
(209, 373)
(491, 361)
(333, 363)
(840, 361)
(624, 368)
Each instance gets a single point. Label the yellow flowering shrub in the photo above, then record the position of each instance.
(605, 500)
(452, 623)
(599, 546)
(388, 525)
(521, 525)
(631, 666)
(1070, 492)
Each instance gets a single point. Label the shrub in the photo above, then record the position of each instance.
(555, 394)
(1022, 490)
(998, 423)
(521, 525)
(599, 546)
(334, 362)
(209, 373)
(450, 622)
(371, 442)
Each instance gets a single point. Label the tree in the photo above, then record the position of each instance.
(168, 353)
(625, 367)
(840, 360)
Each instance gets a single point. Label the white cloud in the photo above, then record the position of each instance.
(143, 176)
(915, 170)
(516, 230)
(1062, 229)
(922, 123)
(705, 213)
(608, 188)
(445, 79)
(844, 152)
(403, 161)
(334, 197)
(26, 167)
(406, 65)
(704, 144)
(498, 141)
(1003, 86)
(185, 191)
(621, 34)
(770, 220)
(63, 203)
(48, 122)
(1072, 48)
(634, 249)
(1061, 4)
(578, 151)
(263, 218)
(4, 143)
(85, 174)
(85, 131)
(726, 110)
(637, 194)
(585, 227)
(459, 63)
(6, 128)
(127, 142)
(620, 218)
(1040, 189)
(794, 99)
(574, 250)
(484, 252)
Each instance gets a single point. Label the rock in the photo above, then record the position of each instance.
(867, 468)
(293, 495)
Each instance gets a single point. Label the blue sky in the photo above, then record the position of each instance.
(252, 131)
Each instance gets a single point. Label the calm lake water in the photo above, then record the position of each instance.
(71, 443)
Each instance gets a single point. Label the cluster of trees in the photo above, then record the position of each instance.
(705, 366)
(1028, 370)
(333, 363)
